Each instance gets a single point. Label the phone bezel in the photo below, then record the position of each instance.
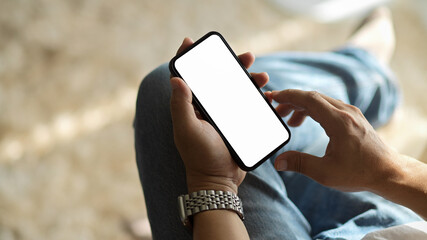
(206, 116)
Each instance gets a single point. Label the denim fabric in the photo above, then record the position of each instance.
(277, 205)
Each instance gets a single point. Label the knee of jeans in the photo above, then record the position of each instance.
(156, 80)
(155, 86)
(154, 90)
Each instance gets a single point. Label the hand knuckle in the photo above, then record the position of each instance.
(288, 92)
(354, 109)
(347, 118)
(313, 95)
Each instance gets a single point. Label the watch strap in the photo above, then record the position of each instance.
(203, 200)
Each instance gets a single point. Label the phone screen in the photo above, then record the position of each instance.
(234, 105)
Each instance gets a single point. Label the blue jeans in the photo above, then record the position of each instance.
(277, 205)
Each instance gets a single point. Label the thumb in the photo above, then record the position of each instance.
(181, 107)
(304, 163)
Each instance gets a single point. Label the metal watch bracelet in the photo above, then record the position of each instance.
(203, 200)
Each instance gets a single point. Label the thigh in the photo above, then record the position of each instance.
(332, 213)
(354, 77)
(270, 214)
(267, 209)
(161, 170)
(349, 74)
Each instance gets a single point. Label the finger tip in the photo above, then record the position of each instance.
(294, 123)
(252, 56)
(264, 77)
(188, 39)
(174, 78)
(276, 164)
(290, 123)
(174, 81)
(266, 74)
(249, 56)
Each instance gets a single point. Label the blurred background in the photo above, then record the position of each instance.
(69, 74)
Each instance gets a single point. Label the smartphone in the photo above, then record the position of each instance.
(229, 99)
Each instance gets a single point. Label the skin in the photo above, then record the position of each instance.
(355, 154)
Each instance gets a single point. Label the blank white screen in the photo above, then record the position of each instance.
(231, 100)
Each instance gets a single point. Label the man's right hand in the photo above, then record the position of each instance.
(356, 159)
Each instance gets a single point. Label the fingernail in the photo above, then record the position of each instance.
(274, 92)
(281, 165)
(174, 84)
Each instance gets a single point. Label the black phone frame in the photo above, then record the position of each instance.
(206, 116)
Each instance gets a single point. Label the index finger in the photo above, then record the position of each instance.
(313, 103)
(185, 44)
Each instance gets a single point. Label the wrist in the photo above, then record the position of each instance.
(392, 176)
(201, 182)
(407, 186)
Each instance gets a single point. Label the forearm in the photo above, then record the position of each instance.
(406, 185)
(218, 224)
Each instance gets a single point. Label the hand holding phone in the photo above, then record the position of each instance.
(208, 162)
(228, 98)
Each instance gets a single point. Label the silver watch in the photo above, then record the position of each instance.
(203, 200)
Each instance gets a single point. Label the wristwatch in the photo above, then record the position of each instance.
(203, 200)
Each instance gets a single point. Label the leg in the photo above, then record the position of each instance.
(356, 77)
(376, 35)
(269, 213)
(332, 213)
(161, 170)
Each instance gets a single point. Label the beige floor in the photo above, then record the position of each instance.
(69, 72)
